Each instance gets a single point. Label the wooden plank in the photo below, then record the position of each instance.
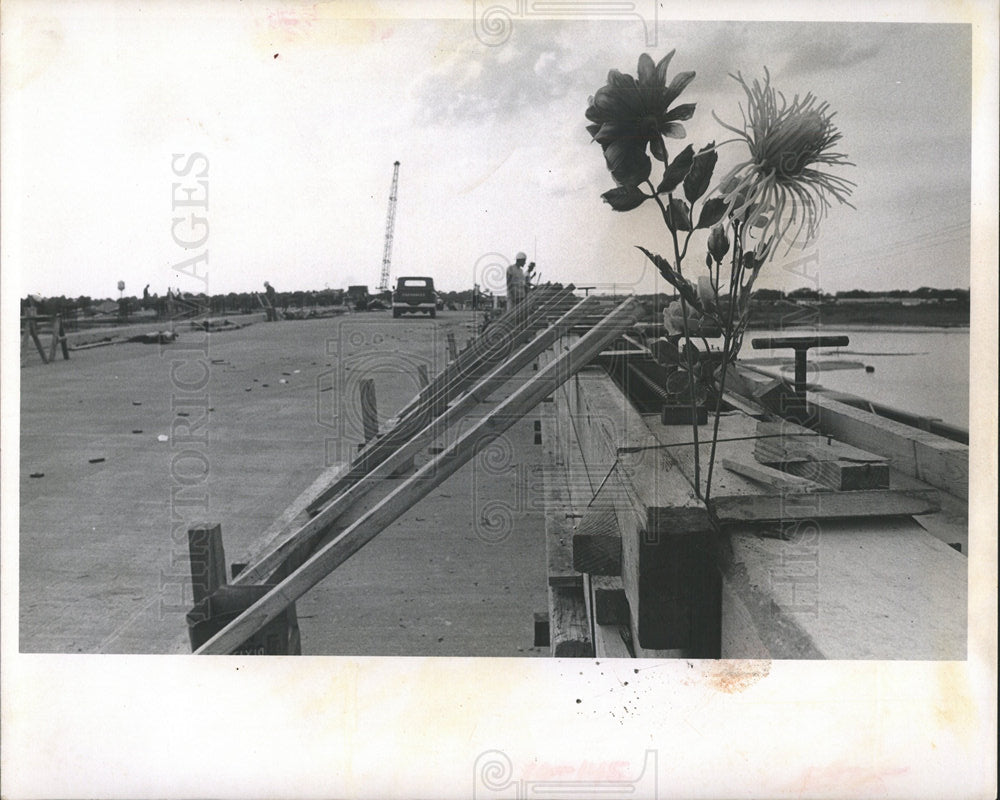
(739, 509)
(329, 556)
(610, 606)
(446, 386)
(597, 542)
(208, 560)
(285, 524)
(825, 461)
(569, 628)
(556, 499)
(345, 508)
(774, 478)
(933, 459)
(609, 642)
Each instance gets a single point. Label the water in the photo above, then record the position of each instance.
(923, 371)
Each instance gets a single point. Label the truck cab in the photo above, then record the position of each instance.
(414, 295)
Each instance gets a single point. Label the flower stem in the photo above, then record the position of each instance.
(687, 339)
(735, 278)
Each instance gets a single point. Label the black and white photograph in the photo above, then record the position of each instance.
(525, 398)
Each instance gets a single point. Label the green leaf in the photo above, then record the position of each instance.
(678, 215)
(676, 170)
(625, 198)
(712, 210)
(700, 175)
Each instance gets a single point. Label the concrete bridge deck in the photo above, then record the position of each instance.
(251, 418)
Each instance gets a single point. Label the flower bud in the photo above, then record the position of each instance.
(718, 243)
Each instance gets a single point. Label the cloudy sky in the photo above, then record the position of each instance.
(301, 111)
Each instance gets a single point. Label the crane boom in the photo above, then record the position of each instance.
(390, 223)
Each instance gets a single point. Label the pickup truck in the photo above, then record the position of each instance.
(414, 295)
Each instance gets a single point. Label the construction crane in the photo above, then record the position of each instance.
(390, 223)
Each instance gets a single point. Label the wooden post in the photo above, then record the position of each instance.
(33, 333)
(452, 348)
(62, 338)
(369, 409)
(208, 560)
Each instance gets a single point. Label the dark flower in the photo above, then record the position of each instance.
(781, 183)
(628, 114)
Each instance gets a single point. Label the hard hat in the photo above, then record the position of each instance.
(520, 257)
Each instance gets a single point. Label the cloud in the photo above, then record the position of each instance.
(834, 50)
(480, 84)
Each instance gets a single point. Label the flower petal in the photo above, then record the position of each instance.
(656, 147)
(646, 70)
(673, 130)
(661, 68)
(679, 83)
(619, 80)
(685, 111)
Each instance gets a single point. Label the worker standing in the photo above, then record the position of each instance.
(272, 312)
(515, 280)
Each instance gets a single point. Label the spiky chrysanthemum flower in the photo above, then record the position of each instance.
(782, 184)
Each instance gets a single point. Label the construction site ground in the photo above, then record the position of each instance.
(105, 501)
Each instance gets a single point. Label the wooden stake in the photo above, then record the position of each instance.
(208, 560)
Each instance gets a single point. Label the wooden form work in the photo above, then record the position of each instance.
(297, 561)
(720, 580)
(32, 332)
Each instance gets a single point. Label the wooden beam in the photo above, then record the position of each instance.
(933, 459)
(569, 628)
(827, 462)
(749, 509)
(558, 533)
(609, 642)
(610, 606)
(445, 387)
(329, 556)
(597, 542)
(666, 533)
(773, 478)
(344, 508)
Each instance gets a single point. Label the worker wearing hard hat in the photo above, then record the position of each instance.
(515, 280)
